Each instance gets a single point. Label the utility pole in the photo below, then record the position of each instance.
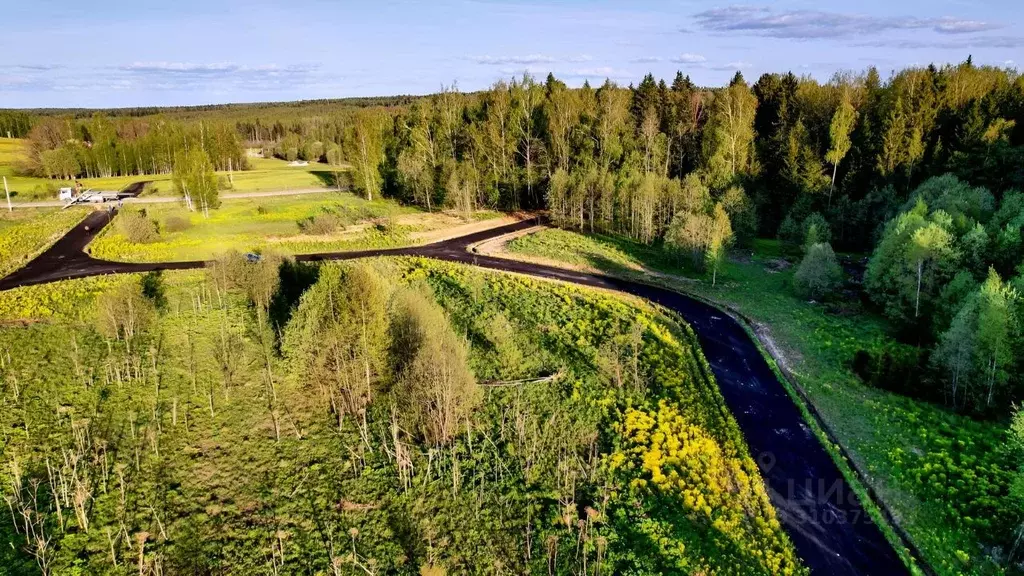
(6, 190)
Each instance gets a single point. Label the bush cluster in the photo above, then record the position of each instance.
(136, 226)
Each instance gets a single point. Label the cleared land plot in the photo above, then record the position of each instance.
(332, 221)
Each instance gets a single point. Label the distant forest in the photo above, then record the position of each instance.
(613, 159)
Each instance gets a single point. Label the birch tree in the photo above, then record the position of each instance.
(729, 134)
(435, 390)
(365, 150)
(194, 179)
(839, 136)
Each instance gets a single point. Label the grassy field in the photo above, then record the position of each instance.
(940, 473)
(332, 221)
(172, 441)
(26, 232)
(265, 174)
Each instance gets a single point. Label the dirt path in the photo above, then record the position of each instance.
(498, 247)
(818, 509)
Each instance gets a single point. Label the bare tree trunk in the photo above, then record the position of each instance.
(917, 299)
(835, 168)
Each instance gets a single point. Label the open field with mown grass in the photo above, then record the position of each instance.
(265, 174)
(331, 221)
(942, 474)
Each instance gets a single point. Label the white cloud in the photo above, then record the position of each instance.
(739, 65)
(804, 24)
(184, 67)
(949, 44)
(504, 60)
(532, 70)
(646, 60)
(689, 58)
(954, 26)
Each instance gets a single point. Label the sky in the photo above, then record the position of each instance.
(118, 53)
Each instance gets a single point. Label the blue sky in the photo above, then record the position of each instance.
(59, 53)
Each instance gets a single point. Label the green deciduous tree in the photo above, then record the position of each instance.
(705, 236)
(337, 342)
(124, 313)
(195, 180)
(365, 150)
(839, 136)
(719, 240)
(913, 259)
(818, 274)
(434, 388)
(336, 160)
(976, 350)
(60, 162)
(928, 244)
(729, 134)
(997, 328)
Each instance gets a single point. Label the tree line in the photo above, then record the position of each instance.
(616, 159)
(104, 146)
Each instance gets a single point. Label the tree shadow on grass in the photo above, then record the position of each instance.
(649, 257)
(331, 179)
(296, 278)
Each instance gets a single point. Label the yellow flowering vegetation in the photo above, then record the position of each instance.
(24, 234)
(724, 512)
(70, 300)
(680, 459)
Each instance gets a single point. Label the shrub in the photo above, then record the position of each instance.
(818, 274)
(742, 214)
(790, 231)
(257, 278)
(811, 230)
(899, 368)
(124, 313)
(175, 224)
(153, 288)
(46, 191)
(385, 224)
(321, 224)
(816, 231)
(136, 226)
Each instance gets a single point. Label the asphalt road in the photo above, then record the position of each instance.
(137, 188)
(824, 518)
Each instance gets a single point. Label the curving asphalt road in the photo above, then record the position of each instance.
(832, 533)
